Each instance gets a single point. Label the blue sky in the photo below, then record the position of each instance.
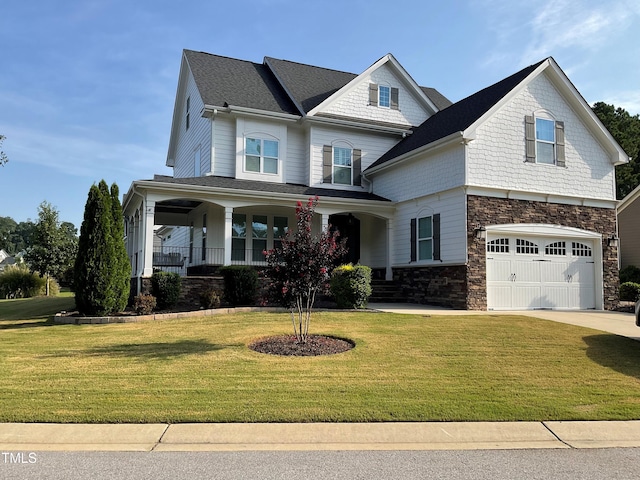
(87, 87)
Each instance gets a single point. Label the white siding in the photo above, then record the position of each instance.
(497, 156)
(372, 147)
(197, 136)
(355, 102)
(224, 164)
(451, 206)
(423, 176)
(297, 165)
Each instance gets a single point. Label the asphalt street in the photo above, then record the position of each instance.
(596, 464)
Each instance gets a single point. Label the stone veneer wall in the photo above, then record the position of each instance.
(496, 211)
(438, 285)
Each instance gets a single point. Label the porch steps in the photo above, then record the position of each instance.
(385, 291)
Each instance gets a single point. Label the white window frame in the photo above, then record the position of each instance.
(261, 155)
(388, 96)
(420, 239)
(340, 166)
(542, 141)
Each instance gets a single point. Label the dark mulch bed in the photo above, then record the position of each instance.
(288, 345)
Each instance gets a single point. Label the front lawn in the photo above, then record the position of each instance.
(403, 368)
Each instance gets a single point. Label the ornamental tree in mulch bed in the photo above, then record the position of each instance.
(299, 268)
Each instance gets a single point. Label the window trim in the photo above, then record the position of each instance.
(420, 239)
(335, 165)
(188, 115)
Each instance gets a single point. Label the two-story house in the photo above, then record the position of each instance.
(503, 200)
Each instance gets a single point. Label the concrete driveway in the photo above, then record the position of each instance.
(613, 322)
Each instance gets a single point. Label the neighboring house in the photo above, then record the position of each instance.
(629, 229)
(7, 260)
(503, 200)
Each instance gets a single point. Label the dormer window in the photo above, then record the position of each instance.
(383, 96)
(261, 155)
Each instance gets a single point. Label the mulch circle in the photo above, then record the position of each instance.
(288, 345)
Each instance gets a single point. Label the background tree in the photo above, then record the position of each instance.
(625, 128)
(53, 251)
(3, 156)
(299, 269)
(7, 226)
(97, 273)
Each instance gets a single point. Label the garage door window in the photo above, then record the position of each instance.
(526, 247)
(499, 245)
(556, 248)
(580, 250)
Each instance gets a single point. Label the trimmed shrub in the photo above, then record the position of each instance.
(630, 292)
(351, 285)
(144, 304)
(630, 273)
(210, 298)
(240, 285)
(166, 288)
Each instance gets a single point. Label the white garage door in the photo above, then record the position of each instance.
(539, 272)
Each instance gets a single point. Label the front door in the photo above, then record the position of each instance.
(348, 226)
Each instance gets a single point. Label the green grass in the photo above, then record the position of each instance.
(404, 368)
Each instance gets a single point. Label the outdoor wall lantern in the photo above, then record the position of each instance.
(612, 241)
(480, 232)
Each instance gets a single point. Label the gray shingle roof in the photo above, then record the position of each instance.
(227, 81)
(457, 117)
(256, 186)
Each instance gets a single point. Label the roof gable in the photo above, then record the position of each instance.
(465, 116)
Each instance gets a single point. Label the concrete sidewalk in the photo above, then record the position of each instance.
(318, 436)
(618, 323)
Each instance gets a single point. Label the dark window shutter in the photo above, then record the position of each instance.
(530, 137)
(327, 163)
(357, 167)
(373, 94)
(436, 237)
(414, 240)
(560, 159)
(394, 99)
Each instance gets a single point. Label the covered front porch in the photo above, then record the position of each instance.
(195, 229)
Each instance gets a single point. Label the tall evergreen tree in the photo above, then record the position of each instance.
(122, 267)
(94, 268)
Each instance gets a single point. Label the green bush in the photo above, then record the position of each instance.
(240, 285)
(630, 292)
(41, 286)
(144, 304)
(17, 281)
(210, 298)
(166, 288)
(630, 273)
(351, 285)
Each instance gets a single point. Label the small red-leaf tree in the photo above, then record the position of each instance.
(299, 268)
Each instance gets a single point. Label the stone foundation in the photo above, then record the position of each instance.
(445, 286)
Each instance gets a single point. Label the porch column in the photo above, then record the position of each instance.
(389, 270)
(325, 222)
(147, 223)
(228, 234)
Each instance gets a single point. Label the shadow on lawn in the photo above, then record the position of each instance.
(617, 353)
(159, 350)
